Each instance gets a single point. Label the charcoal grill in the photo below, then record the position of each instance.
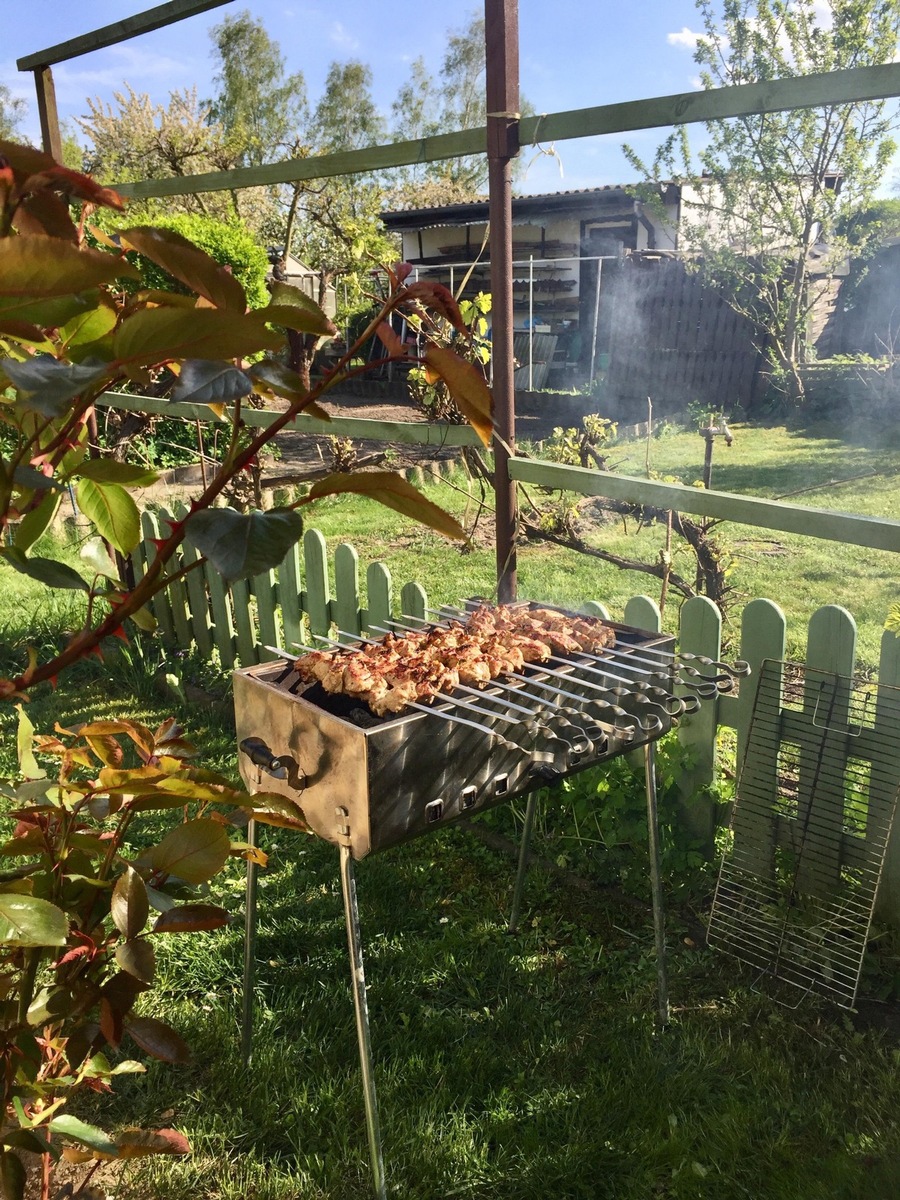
(366, 783)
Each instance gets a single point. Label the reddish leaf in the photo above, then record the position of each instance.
(137, 958)
(122, 990)
(189, 264)
(189, 918)
(73, 183)
(129, 906)
(394, 492)
(159, 1040)
(111, 1022)
(467, 387)
(440, 299)
(45, 215)
(402, 271)
(36, 268)
(137, 1143)
(391, 340)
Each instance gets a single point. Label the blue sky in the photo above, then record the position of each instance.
(573, 54)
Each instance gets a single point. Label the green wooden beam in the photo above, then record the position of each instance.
(775, 95)
(875, 533)
(118, 31)
(682, 108)
(419, 433)
(346, 162)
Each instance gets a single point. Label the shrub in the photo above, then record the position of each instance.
(231, 245)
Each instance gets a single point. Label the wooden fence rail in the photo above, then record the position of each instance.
(306, 595)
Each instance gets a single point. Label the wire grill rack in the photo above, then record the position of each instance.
(810, 827)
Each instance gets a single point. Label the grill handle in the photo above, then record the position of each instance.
(261, 756)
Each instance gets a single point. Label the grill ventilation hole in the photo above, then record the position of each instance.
(435, 810)
(468, 796)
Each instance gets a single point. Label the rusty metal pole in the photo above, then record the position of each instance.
(501, 25)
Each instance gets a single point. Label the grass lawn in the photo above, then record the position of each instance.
(508, 1068)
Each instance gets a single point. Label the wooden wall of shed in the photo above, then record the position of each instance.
(672, 339)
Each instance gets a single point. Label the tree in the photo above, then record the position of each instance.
(763, 210)
(137, 139)
(424, 107)
(346, 117)
(260, 109)
(12, 110)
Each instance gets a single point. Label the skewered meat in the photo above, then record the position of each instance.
(420, 665)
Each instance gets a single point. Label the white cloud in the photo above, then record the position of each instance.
(686, 38)
(138, 68)
(696, 82)
(342, 37)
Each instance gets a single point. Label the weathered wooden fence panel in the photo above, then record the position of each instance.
(291, 606)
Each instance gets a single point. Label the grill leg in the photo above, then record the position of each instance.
(250, 892)
(354, 942)
(524, 847)
(659, 916)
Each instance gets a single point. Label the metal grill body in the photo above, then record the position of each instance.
(393, 779)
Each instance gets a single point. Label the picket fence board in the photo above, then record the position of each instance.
(380, 589)
(701, 634)
(220, 606)
(346, 609)
(275, 609)
(318, 589)
(289, 598)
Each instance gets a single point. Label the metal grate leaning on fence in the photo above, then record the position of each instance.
(285, 605)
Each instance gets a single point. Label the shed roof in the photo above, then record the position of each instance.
(524, 208)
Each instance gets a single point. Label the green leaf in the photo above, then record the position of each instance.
(159, 1040)
(115, 515)
(27, 1139)
(36, 522)
(274, 377)
(29, 477)
(189, 264)
(394, 492)
(129, 906)
(28, 764)
(195, 851)
(205, 382)
(46, 385)
(137, 958)
(242, 544)
(12, 1176)
(46, 570)
(290, 306)
(189, 918)
(34, 268)
(89, 326)
(156, 335)
(95, 555)
(467, 387)
(80, 1131)
(29, 921)
(108, 470)
(48, 314)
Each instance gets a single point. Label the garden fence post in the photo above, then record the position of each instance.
(347, 610)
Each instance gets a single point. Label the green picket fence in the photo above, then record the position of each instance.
(289, 605)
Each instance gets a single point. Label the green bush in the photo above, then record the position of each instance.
(229, 244)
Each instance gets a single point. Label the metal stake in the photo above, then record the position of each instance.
(250, 890)
(524, 847)
(354, 943)
(659, 916)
